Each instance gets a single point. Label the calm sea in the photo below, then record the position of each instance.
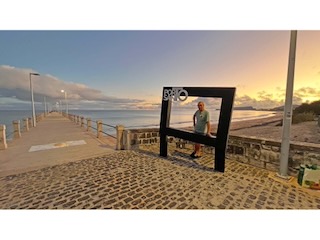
(133, 118)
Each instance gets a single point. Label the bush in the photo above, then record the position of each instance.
(308, 107)
(303, 117)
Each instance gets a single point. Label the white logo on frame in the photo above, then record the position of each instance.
(175, 94)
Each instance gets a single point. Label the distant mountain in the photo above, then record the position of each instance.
(244, 108)
(281, 108)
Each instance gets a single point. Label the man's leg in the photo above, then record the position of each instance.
(197, 149)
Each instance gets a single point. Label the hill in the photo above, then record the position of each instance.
(281, 108)
(244, 108)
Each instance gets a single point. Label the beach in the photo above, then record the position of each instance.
(270, 128)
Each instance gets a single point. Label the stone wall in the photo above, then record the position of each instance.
(144, 136)
(265, 153)
(262, 153)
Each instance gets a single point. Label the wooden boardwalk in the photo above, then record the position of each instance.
(55, 140)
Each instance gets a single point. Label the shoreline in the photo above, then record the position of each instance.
(244, 124)
(257, 122)
(270, 128)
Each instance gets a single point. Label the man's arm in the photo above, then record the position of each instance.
(208, 128)
(208, 125)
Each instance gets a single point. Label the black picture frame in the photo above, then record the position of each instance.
(219, 142)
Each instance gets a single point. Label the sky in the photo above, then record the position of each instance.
(121, 54)
(127, 69)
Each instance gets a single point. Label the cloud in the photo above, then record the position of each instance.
(308, 91)
(15, 91)
(15, 82)
(307, 94)
(264, 100)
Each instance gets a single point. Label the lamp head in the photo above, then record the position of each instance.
(36, 74)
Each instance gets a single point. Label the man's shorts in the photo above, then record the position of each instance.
(200, 133)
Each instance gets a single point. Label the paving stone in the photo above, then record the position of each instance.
(143, 180)
(68, 204)
(84, 198)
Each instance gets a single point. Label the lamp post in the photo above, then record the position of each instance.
(287, 118)
(45, 106)
(32, 101)
(65, 99)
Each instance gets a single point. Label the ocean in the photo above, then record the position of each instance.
(133, 118)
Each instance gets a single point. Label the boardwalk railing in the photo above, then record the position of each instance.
(16, 133)
(101, 129)
(87, 123)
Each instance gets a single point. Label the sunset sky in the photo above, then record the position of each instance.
(120, 54)
(124, 69)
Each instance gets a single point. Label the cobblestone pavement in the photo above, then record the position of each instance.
(140, 179)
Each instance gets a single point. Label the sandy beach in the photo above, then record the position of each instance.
(269, 128)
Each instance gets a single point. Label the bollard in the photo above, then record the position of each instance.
(127, 139)
(30, 122)
(99, 128)
(26, 124)
(82, 121)
(35, 121)
(78, 120)
(16, 129)
(3, 140)
(88, 124)
(119, 129)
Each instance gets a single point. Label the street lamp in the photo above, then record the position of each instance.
(287, 118)
(32, 102)
(45, 106)
(65, 99)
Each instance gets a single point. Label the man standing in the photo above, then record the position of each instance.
(201, 123)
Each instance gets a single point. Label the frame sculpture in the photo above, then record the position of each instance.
(219, 142)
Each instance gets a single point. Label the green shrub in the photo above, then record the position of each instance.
(308, 107)
(303, 117)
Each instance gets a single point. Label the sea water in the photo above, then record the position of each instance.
(133, 119)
